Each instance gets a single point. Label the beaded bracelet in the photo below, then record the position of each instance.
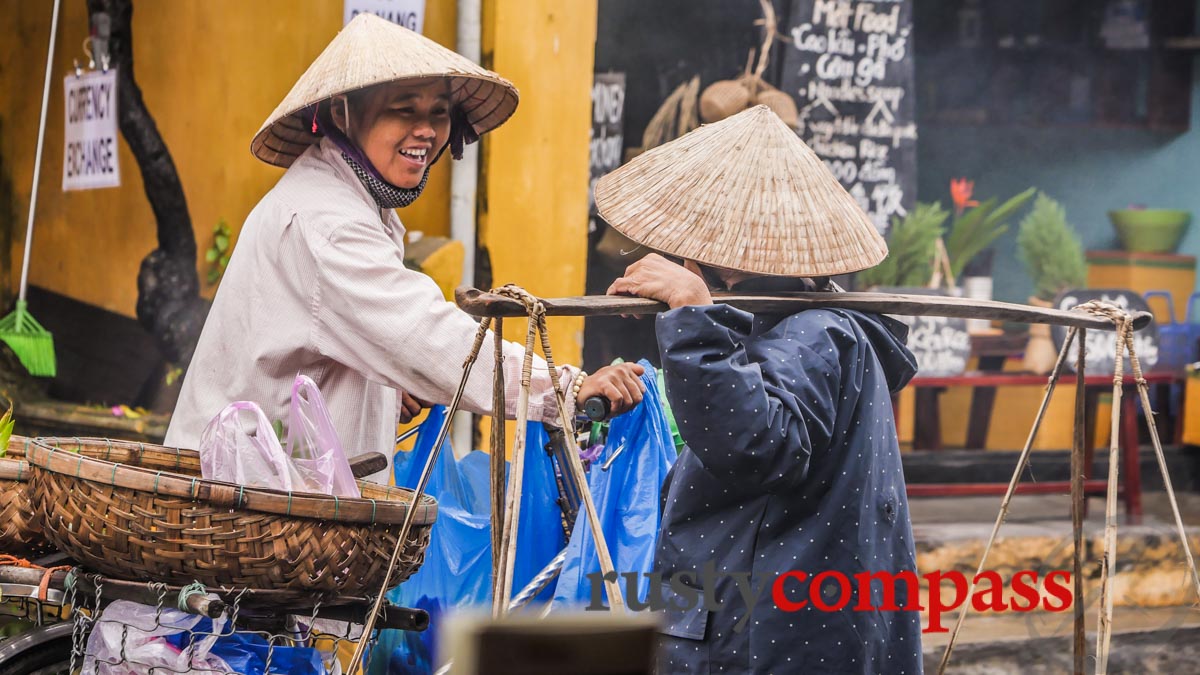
(578, 384)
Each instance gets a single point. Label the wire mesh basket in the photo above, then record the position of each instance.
(214, 636)
(83, 622)
(140, 511)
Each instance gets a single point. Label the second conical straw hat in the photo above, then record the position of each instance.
(369, 51)
(745, 194)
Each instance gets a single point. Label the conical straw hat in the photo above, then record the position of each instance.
(745, 194)
(371, 50)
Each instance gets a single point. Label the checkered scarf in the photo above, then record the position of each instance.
(386, 195)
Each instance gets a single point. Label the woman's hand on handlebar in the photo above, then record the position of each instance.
(620, 384)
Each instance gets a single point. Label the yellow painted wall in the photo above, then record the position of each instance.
(534, 173)
(210, 71)
(535, 167)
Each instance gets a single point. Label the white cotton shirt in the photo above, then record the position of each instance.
(317, 285)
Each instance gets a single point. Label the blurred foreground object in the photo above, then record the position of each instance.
(588, 643)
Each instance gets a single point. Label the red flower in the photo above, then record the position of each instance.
(960, 194)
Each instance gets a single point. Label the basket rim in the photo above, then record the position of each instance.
(44, 455)
(14, 469)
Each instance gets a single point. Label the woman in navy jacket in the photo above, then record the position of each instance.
(792, 467)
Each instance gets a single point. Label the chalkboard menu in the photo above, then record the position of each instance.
(941, 345)
(1101, 344)
(849, 66)
(607, 139)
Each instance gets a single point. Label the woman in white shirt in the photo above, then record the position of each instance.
(317, 283)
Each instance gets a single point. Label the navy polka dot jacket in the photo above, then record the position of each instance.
(791, 464)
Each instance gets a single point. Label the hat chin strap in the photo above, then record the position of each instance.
(346, 114)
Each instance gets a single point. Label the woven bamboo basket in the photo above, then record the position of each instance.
(779, 103)
(142, 512)
(19, 529)
(722, 99)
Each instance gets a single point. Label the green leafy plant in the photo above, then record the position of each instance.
(1051, 249)
(6, 429)
(979, 227)
(912, 242)
(217, 255)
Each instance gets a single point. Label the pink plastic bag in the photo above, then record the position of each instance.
(233, 453)
(318, 460)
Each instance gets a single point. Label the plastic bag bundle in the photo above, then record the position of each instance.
(232, 452)
(130, 639)
(626, 497)
(249, 653)
(250, 454)
(133, 639)
(457, 572)
(318, 458)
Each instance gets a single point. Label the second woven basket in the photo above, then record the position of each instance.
(142, 512)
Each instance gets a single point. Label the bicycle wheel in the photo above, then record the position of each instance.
(39, 657)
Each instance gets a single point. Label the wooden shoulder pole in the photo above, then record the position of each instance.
(479, 303)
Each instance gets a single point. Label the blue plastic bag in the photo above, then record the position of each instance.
(626, 498)
(457, 571)
(247, 653)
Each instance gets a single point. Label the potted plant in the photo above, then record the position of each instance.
(977, 225)
(912, 244)
(1053, 255)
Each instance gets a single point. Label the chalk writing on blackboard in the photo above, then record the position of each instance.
(941, 345)
(1101, 344)
(850, 69)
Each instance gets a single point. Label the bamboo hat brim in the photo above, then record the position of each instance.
(370, 51)
(744, 194)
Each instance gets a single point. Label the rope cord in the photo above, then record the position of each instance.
(536, 324)
(1022, 462)
(512, 503)
(194, 588)
(1124, 344)
(356, 660)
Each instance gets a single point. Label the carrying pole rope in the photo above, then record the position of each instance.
(356, 660)
(1144, 394)
(1119, 318)
(1124, 343)
(512, 508)
(537, 322)
(616, 601)
(537, 315)
(1022, 462)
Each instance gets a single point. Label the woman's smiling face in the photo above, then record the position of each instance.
(399, 127)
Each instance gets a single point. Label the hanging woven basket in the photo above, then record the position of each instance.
(20, 533)
(780, 103)
(722, 99)
(141, 512)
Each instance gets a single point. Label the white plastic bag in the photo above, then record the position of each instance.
(318, 459)
(252, 457)
(128, 639)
